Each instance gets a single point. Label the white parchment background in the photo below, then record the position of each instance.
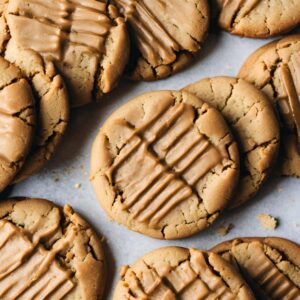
(222, 54)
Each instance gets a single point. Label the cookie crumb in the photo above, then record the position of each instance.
(77, 185)
(83, 170)
(267, 221)
(56, 179)
(224, 229)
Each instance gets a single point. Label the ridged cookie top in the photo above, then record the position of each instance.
(52, 101)
(275, 69)
(165, 164)
(163, 36)
(46, 253)
(271, 265)
(258, 18)
(17, 121)
(253, 121)
(178, 273)
(84, 39)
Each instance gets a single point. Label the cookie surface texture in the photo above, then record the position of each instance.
(164, 164)
(275, 69)
(179, 273)
(17, 121)
(47, 252)
(253, 122)
(271, 265)
(164, 39)
(52, 102)
(86, 40)
(258, 18)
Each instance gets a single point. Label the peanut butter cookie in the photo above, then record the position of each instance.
(180, 273)
(50, 93)
(165, 164)
(275, 69)
(258, 18)
(86, 40)
(48, 253)
(270, 265)
(17, 121)
(165, 35)
(253, 121)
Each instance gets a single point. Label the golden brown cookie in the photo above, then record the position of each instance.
(180, 273)
(258, 18)
(254, 124)
(47, 252)
(52, 101)
(165, 164)
(86, 40)
(275, 69)
(17, 121)
(270, 265)
(165, 35)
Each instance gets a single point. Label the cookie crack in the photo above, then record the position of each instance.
(219, 274)
(26, 118)
(281, 259)
(239, 11)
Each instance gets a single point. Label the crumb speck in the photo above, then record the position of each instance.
(77, 185)
(267, 221)
(224, 229)
(85, 173)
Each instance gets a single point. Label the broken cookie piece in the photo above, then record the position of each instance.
(180, 273)
(17, 121)
(253, 122)
(48, 252)
(165, 164)
(270, 265)
(224, 229)
(267, 221)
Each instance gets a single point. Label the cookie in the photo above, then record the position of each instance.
(50, 93)
(47, 252)
(165, 35)
(270, 265)
(254, 124)
(17, 121)
(180, 273)
(258, 18)
(86, 40)
(275, 69)
(165, 164)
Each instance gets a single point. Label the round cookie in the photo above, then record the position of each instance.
(17, 121)
(165, 35)
(165, 164)
(180, 273)
(47, 252)
(254, 124)
(50, 93)
(258, 18)
(86, 40)
(275, 69)
(270, 265)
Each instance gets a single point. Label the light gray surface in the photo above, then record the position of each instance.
(222, 55)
